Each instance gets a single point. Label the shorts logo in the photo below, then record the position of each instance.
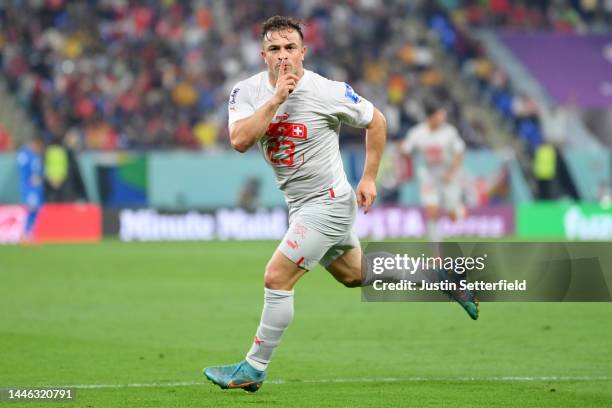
(293, 244)
(300, 229)
(257, 340)
(351, 94)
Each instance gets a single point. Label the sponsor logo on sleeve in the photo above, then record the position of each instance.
(232, 99)
(351, 94)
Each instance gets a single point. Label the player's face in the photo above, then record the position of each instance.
(284, 45)
(438, 118)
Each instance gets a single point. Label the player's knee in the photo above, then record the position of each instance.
(457, 213)
(274, 278)
(431, 212)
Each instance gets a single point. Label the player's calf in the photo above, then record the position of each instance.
(352, 281)
(346, 269)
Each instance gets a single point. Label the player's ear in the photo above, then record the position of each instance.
(304, 49)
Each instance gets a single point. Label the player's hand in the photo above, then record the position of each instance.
(366, 194)
(285, 84)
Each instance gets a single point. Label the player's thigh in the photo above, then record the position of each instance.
(430, 196)
(343, 261)
(303, 245)
(452, 203)
(281, 272)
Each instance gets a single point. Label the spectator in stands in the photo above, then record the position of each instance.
(75, 188)
(55, 171)
(249, 198)
(526, 116)
(6, 142)
(556, 124)
(545, 171)
(156, 74)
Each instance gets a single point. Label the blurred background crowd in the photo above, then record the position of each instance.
(155, 74)
(113, 75)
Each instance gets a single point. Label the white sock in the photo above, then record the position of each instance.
(433, 232)
(276, 316)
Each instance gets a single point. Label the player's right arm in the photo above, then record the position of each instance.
(245, 132)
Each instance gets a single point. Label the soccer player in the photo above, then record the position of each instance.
(441, 149)
(293, 116)
(30, 163)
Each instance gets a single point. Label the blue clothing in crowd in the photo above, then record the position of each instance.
(31, 182)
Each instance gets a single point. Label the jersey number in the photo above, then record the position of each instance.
(274, 147)
(280, 149)
(433, 154)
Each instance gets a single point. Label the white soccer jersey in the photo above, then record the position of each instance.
(301, 143)
(438, 147)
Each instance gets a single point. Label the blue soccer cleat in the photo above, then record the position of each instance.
(466, 298)
(240, 375)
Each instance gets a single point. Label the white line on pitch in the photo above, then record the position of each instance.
(350, 380)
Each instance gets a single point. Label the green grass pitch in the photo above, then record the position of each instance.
(142, 320)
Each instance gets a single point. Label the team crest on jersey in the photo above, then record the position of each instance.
(351, 94)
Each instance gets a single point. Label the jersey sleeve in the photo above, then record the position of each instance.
(349, 107)
(240, 105)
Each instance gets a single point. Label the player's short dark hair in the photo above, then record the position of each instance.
(432, 105)
(278, 23)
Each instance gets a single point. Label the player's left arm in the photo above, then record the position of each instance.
(459, 152)
(376, 136)
(454, 167)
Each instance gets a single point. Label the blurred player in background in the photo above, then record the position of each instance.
(31, 176)
(294, 116)
(441, 148)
